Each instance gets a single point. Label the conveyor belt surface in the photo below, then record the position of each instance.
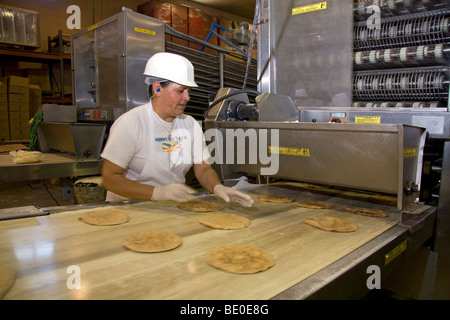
(41, 250)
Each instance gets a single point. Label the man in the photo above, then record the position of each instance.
(151, 147)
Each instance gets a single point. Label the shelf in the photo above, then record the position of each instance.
(41, 57)
(34, 56)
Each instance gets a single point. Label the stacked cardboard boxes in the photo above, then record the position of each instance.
(192, 22)
(19, 107)
(183, 19)
(35, 99)
(19, 102)
(4, 116)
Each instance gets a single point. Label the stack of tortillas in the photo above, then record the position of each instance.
(106, 216)
(200, 206)
(331, 224)
(275, 198)
(239, 259)
(226, 221)
(152, 241)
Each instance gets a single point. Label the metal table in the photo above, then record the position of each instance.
(53, 165)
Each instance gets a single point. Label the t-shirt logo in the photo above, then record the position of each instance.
(172, 146)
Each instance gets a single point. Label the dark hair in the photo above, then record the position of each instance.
(163, 85)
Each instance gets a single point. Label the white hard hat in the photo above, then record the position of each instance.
(172, 67)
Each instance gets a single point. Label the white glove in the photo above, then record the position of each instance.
(175, 191)
(230, 194)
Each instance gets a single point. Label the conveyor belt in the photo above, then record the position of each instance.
(40, 249)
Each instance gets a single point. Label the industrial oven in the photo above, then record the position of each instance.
(351, 94)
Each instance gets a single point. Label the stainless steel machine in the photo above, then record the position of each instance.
(108, 60)
(352, 94)
(109, 57)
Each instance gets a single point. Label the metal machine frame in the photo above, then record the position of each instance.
(115, 48)
(311, 63)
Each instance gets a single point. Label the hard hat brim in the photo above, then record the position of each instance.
(190, 84)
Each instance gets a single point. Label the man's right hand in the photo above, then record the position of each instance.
(175, 191)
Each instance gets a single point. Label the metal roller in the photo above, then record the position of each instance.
(413, 56)
(390, 8)
(418, 84)
(397, 104)
(212, 72)
(413, 30)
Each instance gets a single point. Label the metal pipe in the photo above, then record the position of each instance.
(252, 40)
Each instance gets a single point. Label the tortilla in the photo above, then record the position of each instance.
(107, 216)
(368, 212)
(314, 204)
(200, 206)
(226, 221)
(383, 199)
(152, 241)
(239, 259)
(275, 198)
(315, 185)
(331, 224)
(6, 280)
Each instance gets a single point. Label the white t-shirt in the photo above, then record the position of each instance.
(153, 151)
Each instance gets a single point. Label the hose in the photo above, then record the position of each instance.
(34, 123)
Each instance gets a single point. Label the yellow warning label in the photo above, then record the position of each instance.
(299, 152)
(409, 153)
(394, 253)
(93, 27)
(144, 31)
(368, 119)
(309, 8)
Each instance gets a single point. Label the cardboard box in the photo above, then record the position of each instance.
(179, 16)
(18, 124)
(35, 100)
(18, 84)
(3, 102)
(4, 127)
(19, 129)
(3, 86)
(41, 78)
(18, 116)
(4, 117)
(199, 28)
(19, 102)
(19, 135)
(4, 135)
